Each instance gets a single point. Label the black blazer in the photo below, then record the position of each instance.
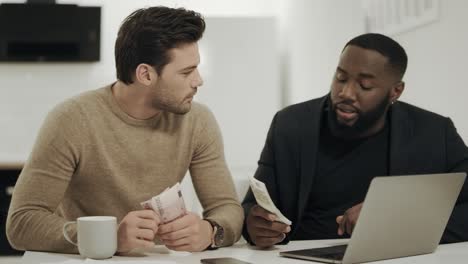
(420, 142)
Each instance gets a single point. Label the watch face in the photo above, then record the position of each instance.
(219, 236)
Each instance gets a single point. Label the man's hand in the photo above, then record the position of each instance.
(263, 229)
(347, 221)
(137, 230)
(188, 233)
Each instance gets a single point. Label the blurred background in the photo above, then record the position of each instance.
(258, 56)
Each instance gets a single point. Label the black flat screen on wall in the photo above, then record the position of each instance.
(49, 32)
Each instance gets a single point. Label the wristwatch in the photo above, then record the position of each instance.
(218, 234)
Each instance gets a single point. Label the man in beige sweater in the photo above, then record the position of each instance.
(105, 151)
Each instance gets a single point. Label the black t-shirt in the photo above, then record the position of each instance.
(344, 171)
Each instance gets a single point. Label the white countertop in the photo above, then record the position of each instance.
(451, 253)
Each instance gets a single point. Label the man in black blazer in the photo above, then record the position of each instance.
(320, 155)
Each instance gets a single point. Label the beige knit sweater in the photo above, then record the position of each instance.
(91, 158)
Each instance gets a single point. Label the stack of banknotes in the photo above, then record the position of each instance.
(169, 204)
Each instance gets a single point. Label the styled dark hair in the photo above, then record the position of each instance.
(147, 34)
(386, 46)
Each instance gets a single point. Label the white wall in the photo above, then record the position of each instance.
(437, 69)
(241, 82)
(314, 33)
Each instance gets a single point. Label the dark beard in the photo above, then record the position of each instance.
(364, 122)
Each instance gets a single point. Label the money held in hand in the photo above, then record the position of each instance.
(264, 200)
(169, 204)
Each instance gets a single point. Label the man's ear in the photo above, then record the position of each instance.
(145, 74)
(396, 91)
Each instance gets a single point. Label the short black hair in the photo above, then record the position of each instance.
(386, 46)
(147, 35)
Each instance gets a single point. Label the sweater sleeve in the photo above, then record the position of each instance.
(32, 222)
(212, 180)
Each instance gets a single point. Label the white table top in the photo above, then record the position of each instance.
(446, 254)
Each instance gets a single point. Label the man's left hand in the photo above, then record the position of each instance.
(347, 221)
(188, 233)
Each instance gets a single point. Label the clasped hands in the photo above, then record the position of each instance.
(138, 229)
(265, 231)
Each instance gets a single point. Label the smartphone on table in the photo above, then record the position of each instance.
(223, 261)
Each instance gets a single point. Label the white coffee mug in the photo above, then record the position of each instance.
(97, 236)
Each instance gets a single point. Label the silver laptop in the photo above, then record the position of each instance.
(401, 216)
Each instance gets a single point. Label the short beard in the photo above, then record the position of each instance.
(172, 107)
(364, 122)
(178, 110)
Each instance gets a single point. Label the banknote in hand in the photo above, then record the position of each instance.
(264, 200)
(169, 204)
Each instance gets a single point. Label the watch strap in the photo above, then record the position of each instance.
(217, 237)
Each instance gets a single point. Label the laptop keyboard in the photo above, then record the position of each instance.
(334, 252)
(335, 256)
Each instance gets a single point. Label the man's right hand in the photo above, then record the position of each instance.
(137, 230)
(263, 228)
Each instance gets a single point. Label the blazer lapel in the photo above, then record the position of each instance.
(400, 137)
(308, 152)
